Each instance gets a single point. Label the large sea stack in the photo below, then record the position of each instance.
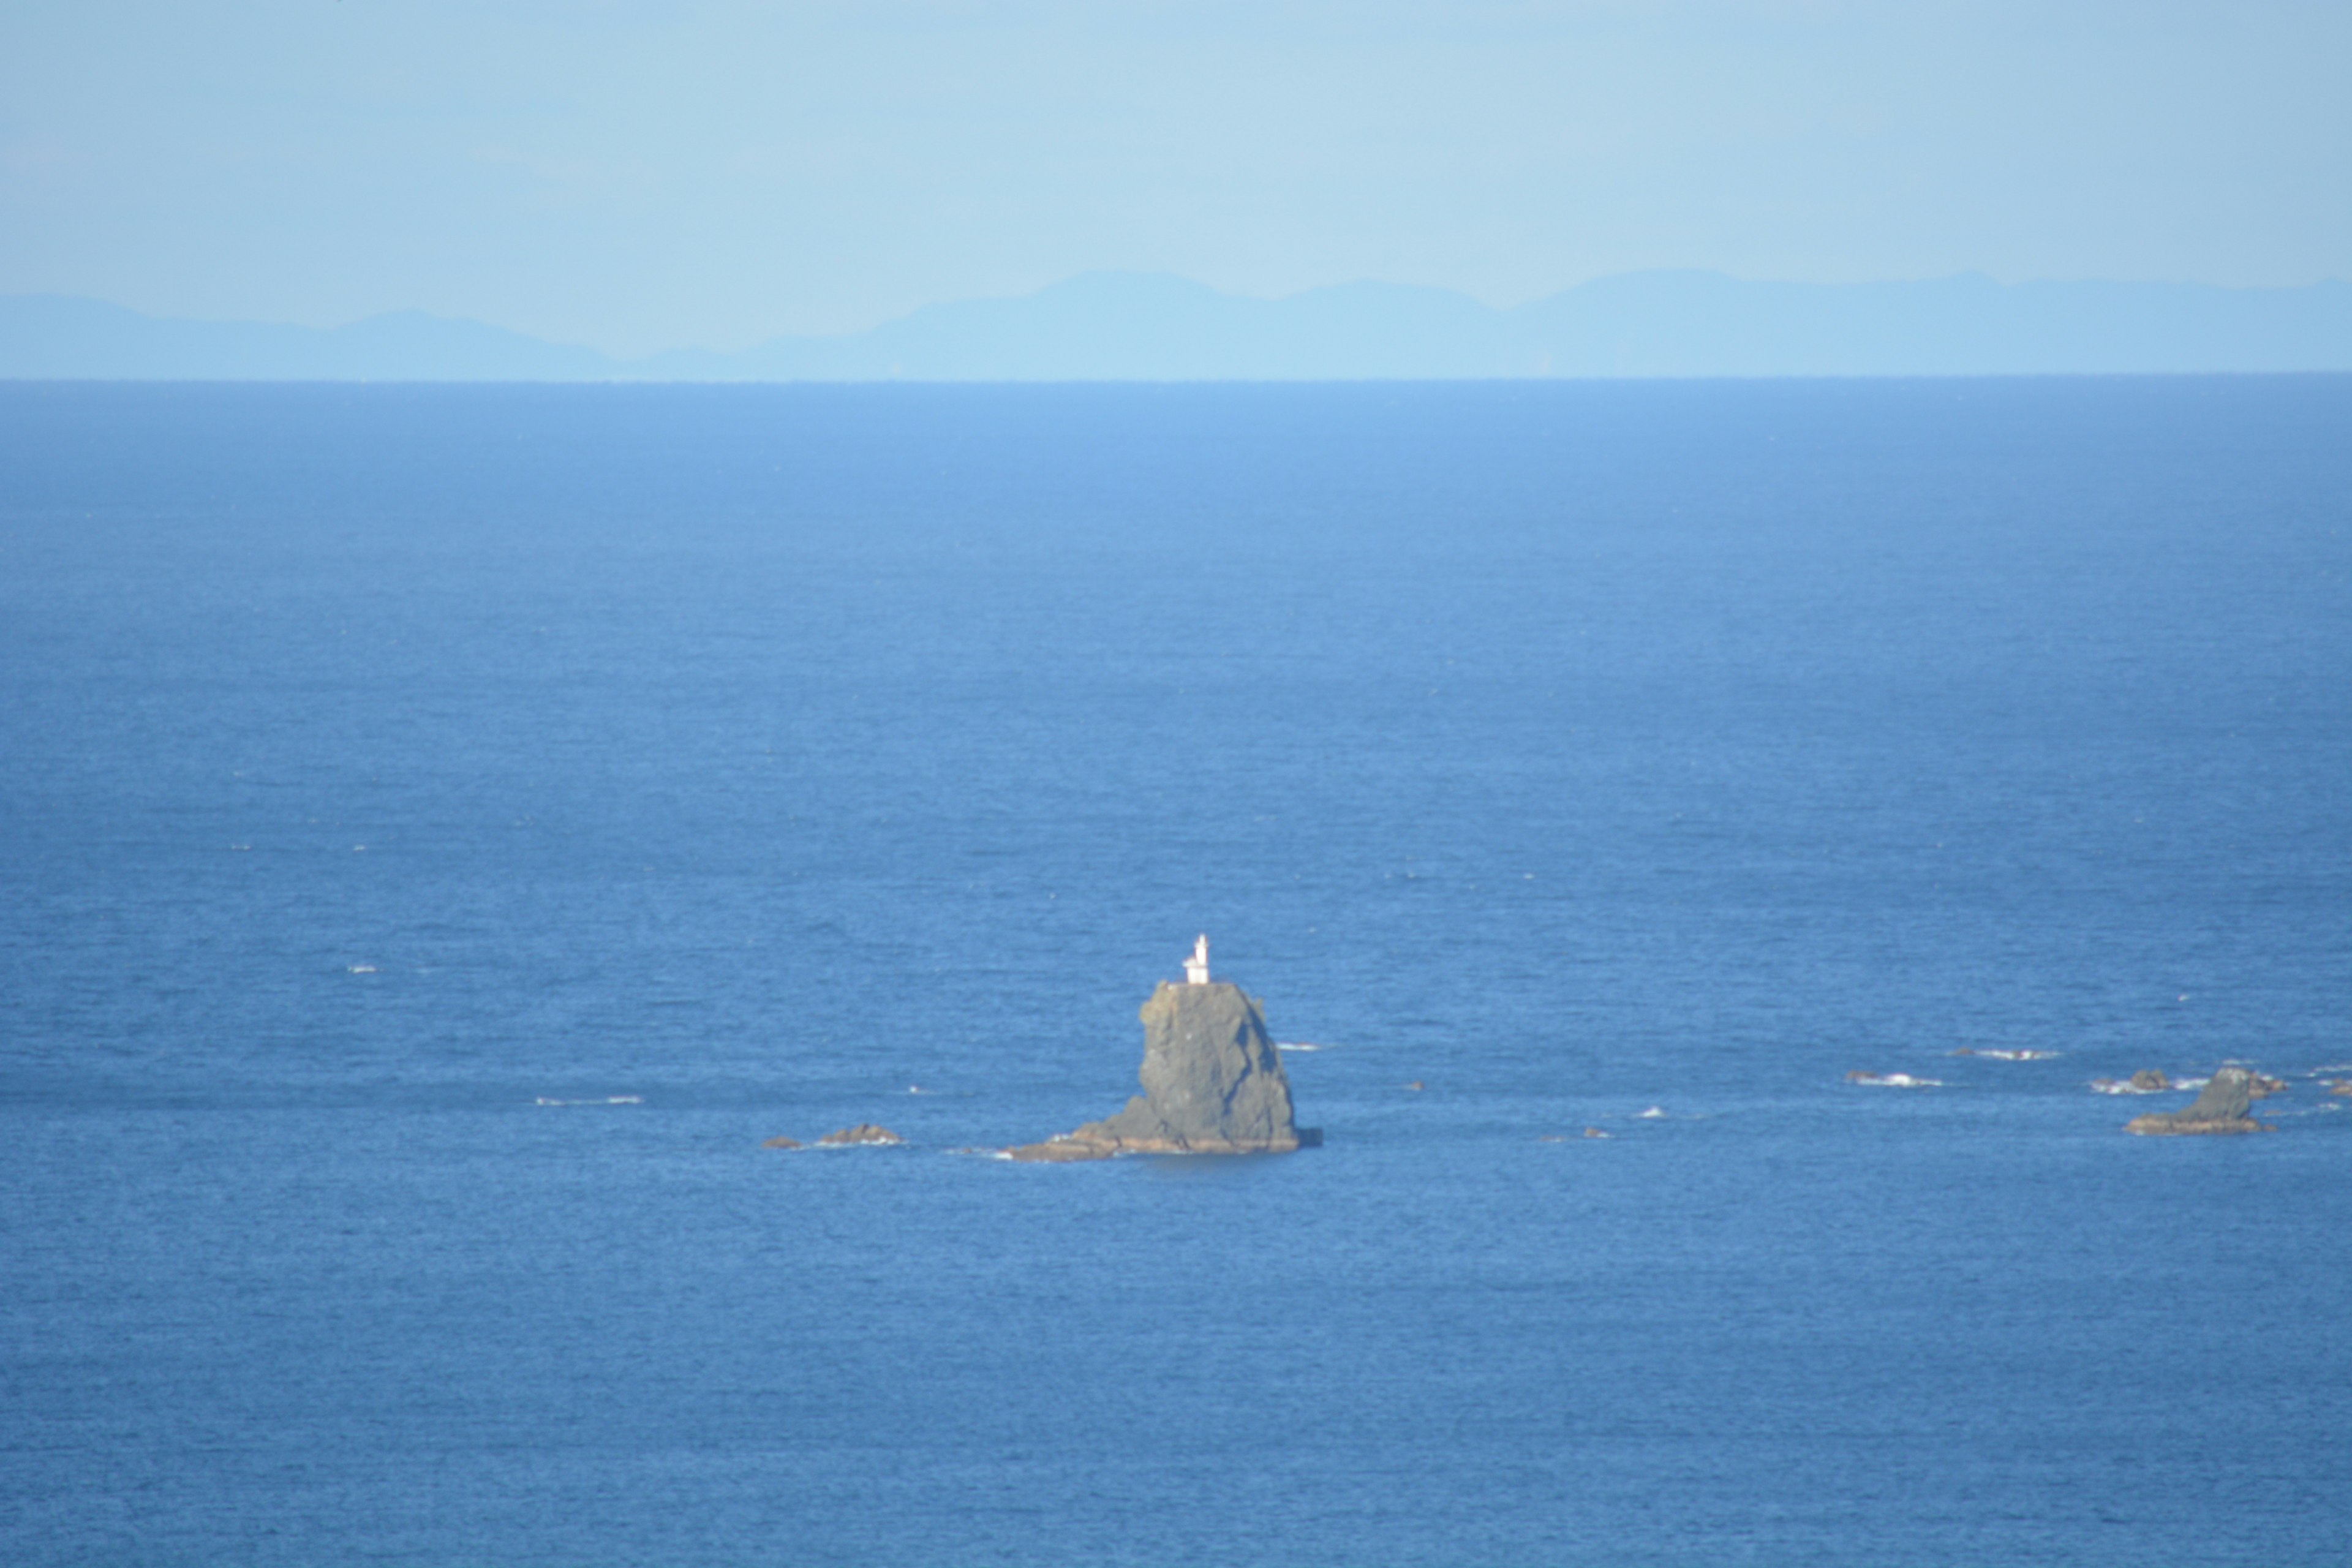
(2221, 1108)
(1212, 1082)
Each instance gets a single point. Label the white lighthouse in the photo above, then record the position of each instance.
(1196, 968)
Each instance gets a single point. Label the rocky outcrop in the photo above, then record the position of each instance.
(781, 1141)
(2148, 1080)
(1213, 1084)
(2221, 1107)
(864, 1132)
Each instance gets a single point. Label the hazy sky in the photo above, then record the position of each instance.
(636, 175)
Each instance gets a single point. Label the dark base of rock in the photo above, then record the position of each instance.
(1084, 1144)
(2177, 1125)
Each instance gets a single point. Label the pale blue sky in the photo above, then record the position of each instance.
(634, 176)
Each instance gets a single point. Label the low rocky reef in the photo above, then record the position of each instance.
(1892, 1079)
(864, 1132)
(2221, 1107)
(1213, 1084)
(2148, 1080)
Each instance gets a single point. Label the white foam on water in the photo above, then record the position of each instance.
(1653, 1114)
(360, 968)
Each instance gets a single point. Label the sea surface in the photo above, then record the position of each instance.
(445, 831)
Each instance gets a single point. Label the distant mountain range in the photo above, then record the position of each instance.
(1142, 327)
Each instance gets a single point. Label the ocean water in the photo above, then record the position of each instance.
(448, 830)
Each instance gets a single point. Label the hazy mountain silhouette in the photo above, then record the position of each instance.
(1144, 327)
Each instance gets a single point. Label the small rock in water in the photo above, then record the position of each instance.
(781, 1141)
(1596, 1132)
(864, 1132)
(2148, 1080)
(1416, 1086)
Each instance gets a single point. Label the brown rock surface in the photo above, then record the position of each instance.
(781, 1142)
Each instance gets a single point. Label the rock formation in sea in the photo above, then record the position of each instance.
(780, 1141)
(2221, 1107)
(864, 1132)
(1212, 1082)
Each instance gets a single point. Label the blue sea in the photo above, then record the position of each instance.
(448, 830)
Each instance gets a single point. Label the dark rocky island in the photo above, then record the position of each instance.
(1212, 1082)
(2221, 1108)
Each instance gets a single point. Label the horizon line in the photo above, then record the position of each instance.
(1106, 273)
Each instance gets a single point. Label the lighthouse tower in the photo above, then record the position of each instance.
(1196, 968)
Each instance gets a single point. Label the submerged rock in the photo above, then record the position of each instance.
(1213, 1084)
(864, 1132)
(2221, 1108)
(781, 1141)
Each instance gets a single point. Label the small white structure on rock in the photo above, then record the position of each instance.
(1196, 968)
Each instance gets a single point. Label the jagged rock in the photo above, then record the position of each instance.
(2219, 1109)
(864, 1132)
(2262, 1087)
(781, 1141)
(1213, 1084)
